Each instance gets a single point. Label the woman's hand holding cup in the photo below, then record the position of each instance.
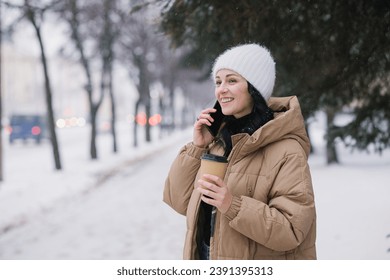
(211, 185)
(215, 192)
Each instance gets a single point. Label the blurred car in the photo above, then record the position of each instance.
(27, 127)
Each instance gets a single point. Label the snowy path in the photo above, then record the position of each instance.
(124, 218)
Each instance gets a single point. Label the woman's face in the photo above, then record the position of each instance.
(231, 91)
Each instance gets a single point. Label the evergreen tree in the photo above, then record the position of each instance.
(331, 54)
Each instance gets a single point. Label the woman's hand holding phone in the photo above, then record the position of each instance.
(202, 136)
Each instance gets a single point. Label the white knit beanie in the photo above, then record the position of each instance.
(251, 61)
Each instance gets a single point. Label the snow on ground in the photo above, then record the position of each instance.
(32, 189)
(83, 213)
(124, 218)
(353, 208)
(31, 182)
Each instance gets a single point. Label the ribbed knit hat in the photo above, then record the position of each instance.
(251, 61)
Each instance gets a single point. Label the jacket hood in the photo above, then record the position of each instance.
(288, 123)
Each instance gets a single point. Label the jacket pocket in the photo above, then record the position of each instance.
(242, 184)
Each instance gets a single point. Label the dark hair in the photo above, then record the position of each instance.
(259, 102)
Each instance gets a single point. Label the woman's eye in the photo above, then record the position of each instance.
(232, 81)
(218, 83)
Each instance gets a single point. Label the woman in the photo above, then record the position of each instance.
(265, 203)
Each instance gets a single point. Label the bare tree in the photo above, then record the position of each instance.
(34, 13)
(106, 47)
(169, 70)
(72, 13)
(139, 41)
(94, 34)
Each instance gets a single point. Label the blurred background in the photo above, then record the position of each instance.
(96, 98)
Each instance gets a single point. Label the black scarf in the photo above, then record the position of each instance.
(247, 124)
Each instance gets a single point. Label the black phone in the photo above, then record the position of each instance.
(218, 117)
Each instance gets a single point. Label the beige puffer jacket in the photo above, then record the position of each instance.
(272, 215)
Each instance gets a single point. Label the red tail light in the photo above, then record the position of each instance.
(36, 130)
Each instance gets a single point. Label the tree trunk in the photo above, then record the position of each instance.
(144, 93)
(308, 135)
(113, 112)
(107, 54)
(172, 102)
(135, 127)
(331, 152)
(50, 112)
(148, 137)
(92, 147)
(93, 106)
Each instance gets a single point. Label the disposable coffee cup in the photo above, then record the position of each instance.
(214, 165)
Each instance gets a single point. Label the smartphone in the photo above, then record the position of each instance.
(218, 117)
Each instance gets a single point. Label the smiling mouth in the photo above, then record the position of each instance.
(226, 99)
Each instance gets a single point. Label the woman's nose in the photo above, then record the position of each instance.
(223, 89)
